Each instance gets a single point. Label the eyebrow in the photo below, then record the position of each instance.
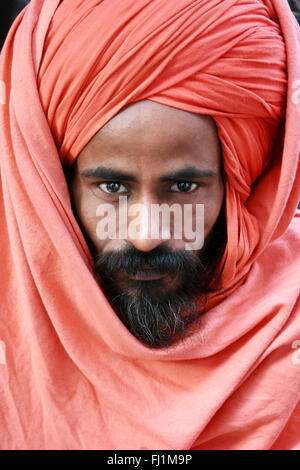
(107, 173)
(183, 174)
(187, 174)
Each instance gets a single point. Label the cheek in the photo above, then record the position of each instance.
(86, 207)
(211, 212)
(212, 207)
(92, 221)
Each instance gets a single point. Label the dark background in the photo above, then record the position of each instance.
(9, 9)
(295, 6)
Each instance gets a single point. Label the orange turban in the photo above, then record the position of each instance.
(72, 376)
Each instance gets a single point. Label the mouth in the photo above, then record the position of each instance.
(148, 275)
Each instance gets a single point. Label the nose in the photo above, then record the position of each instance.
(143, 229)
(144, 244)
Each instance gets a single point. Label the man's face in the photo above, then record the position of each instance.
(150, 154)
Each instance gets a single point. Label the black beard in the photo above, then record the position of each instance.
(163, 311)
(158, 312)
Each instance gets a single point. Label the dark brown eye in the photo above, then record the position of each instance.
(111, 187)
(184, 186)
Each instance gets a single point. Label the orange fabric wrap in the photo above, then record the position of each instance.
(71, 375)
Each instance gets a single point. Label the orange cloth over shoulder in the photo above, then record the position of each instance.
(71, 375)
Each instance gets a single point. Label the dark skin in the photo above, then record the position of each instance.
(152, 154)
(148, 141)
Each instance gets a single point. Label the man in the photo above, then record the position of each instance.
(121, 339)
(129, 150)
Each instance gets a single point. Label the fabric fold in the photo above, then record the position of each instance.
(73, 377)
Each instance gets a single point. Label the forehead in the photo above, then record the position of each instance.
(152, 135)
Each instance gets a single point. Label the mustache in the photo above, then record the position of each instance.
(160, 259)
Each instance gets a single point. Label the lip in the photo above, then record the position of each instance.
(148, 275)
